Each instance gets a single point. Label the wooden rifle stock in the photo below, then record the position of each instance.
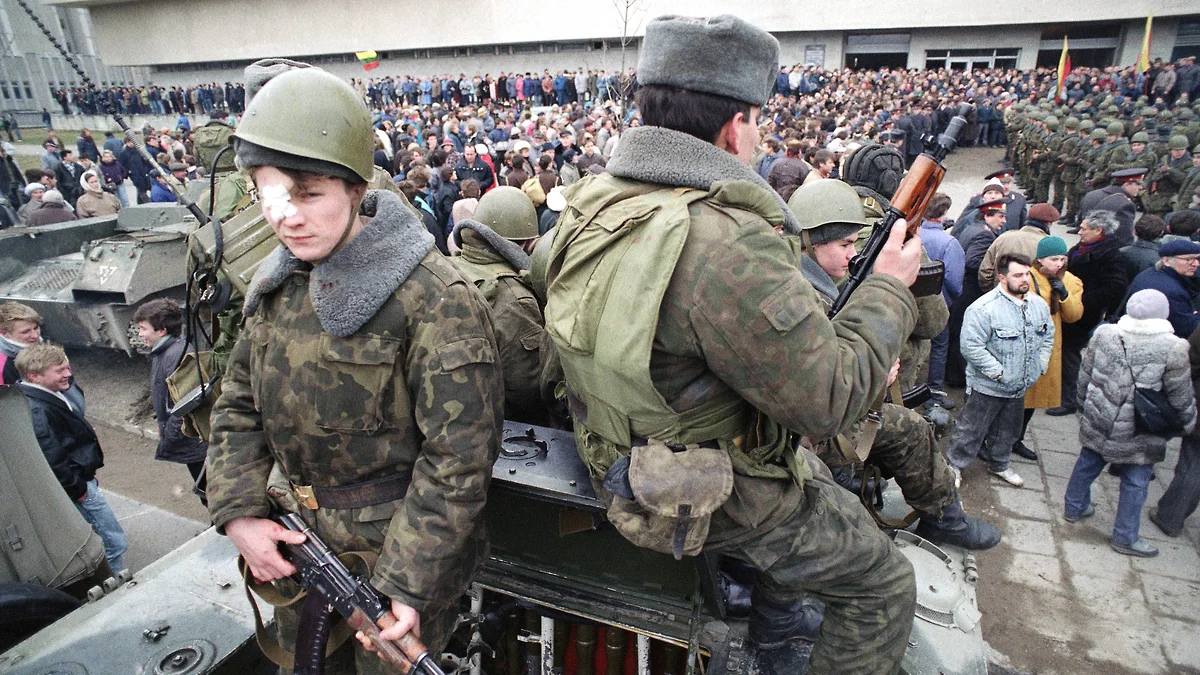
(909, 202)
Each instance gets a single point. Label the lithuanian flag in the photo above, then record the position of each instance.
(1143, 62)
(369, 59)
(1064, 69)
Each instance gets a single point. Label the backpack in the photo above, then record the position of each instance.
(533, 189)
(211, 139)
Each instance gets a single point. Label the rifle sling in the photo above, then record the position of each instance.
(871, 496)
(338, 635)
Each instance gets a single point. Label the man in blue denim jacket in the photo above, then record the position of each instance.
(1007, 336)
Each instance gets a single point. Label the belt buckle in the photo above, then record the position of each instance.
(304, 494)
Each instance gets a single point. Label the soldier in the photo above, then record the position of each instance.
(1072, 171)
(1045, 161)
(1064, 175)
(1139, 154)
(366, 372)
(1095, 141)
(1165, 181)
(495, 257)
(1114, 147)
(1190, 182)
(904, 446)
(723, 355)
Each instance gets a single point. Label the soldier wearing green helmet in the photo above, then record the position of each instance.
(1114, 149)
(358, 334)
(1187, 191)
(496, 245)
(1164, 183)
(832, 214)
(1139, 154)
(1046, 162)
(1074, 144)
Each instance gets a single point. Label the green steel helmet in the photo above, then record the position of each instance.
(1098, 135)
(539, 262)
(1037, 115)
(1140, 137)
(1062, 111)
(1149, 112)
(1071, 123)
(1052, 123)
(1177, 143)
(509, 212)
(1166, 116)
(1115, 129)
(1046, 105)
(828, 210)
(1196, 150)
(308, 120)
(1184, 114)
(1087, 125)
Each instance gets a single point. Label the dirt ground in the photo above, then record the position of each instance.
(118, 397)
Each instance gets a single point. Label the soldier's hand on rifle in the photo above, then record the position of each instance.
(899, 258)
(407, 621)
(257, 539)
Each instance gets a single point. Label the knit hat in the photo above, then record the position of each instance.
(1178, 247)
(1048, 246)
(721, 55)
(1148, 304)
(1044, 212)
(53, 197)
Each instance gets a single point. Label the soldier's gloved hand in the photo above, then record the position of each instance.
(257, 539)
(1059, 288)
(899, 258)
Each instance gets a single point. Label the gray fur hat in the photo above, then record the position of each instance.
(1148, 303)
(721, 55)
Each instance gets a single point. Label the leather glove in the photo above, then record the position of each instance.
(1060, 288)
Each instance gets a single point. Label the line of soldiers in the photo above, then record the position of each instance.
(1063, 152)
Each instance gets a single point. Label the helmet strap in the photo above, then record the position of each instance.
(806, 240)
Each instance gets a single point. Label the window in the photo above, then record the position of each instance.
(971, 59)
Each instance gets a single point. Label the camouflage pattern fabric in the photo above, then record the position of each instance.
(517, 319)
(1163, 184)
(417, 390)
(830, 548)
(905, 449)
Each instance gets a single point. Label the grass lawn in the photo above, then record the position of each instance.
(35, 135)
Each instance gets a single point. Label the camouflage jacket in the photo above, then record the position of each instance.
(1146, 159)
(498, 267)
(738, 315)
(380, 360)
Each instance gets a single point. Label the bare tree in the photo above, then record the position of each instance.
(630, 13)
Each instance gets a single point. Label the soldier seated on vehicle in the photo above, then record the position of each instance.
(496, 245)
(904, 446)
(366, 372)
(696, 355)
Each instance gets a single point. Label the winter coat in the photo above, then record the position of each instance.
(1139, 256)
(1183, 316)
(1006, 345)
(1104, 284)
(114, 174)
(173, 446)
(1022, 242)
(1158, 360)
(1047, 392)
(66, 438)
(379, 361)
(49, 214)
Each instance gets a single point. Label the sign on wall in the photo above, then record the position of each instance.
(814, 55)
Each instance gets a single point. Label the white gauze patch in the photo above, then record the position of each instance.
(277, 202)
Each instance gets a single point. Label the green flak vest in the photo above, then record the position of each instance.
(613, 257)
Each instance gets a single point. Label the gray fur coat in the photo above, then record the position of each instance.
(1158, 360)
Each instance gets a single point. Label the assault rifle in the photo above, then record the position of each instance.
(329, 582)
(910, 201)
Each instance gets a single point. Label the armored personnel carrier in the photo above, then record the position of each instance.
(86, 277)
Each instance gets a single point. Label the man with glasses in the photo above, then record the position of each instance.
(1171, 274)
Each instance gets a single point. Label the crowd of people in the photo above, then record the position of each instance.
(779, 172)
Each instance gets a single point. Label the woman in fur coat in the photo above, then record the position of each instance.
(1140, 350)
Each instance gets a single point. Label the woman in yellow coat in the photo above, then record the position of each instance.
(1063, 291)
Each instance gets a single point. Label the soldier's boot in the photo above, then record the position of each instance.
(956, 528)
(783, 632)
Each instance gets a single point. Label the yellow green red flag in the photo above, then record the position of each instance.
(1143, 62)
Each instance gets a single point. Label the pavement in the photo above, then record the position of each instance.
(1056, 600)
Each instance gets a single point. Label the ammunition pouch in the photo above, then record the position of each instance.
(668, 494)
(929, 279)
(193, 402)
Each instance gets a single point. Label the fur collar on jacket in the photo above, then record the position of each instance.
(667, 157)
(513, 254)
(353, 283)
(1128, 325)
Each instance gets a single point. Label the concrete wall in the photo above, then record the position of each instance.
(1162, 39)
(218, 30)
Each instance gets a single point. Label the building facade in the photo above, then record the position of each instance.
(212, 40)
(30, 66)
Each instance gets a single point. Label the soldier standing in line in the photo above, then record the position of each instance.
(1164, 182)
(1073, 148)
(700, 369)
(366, 372)
(904, 446)
(495, 257)
(1046, 161)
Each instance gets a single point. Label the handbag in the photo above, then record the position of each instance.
(1152, 411)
